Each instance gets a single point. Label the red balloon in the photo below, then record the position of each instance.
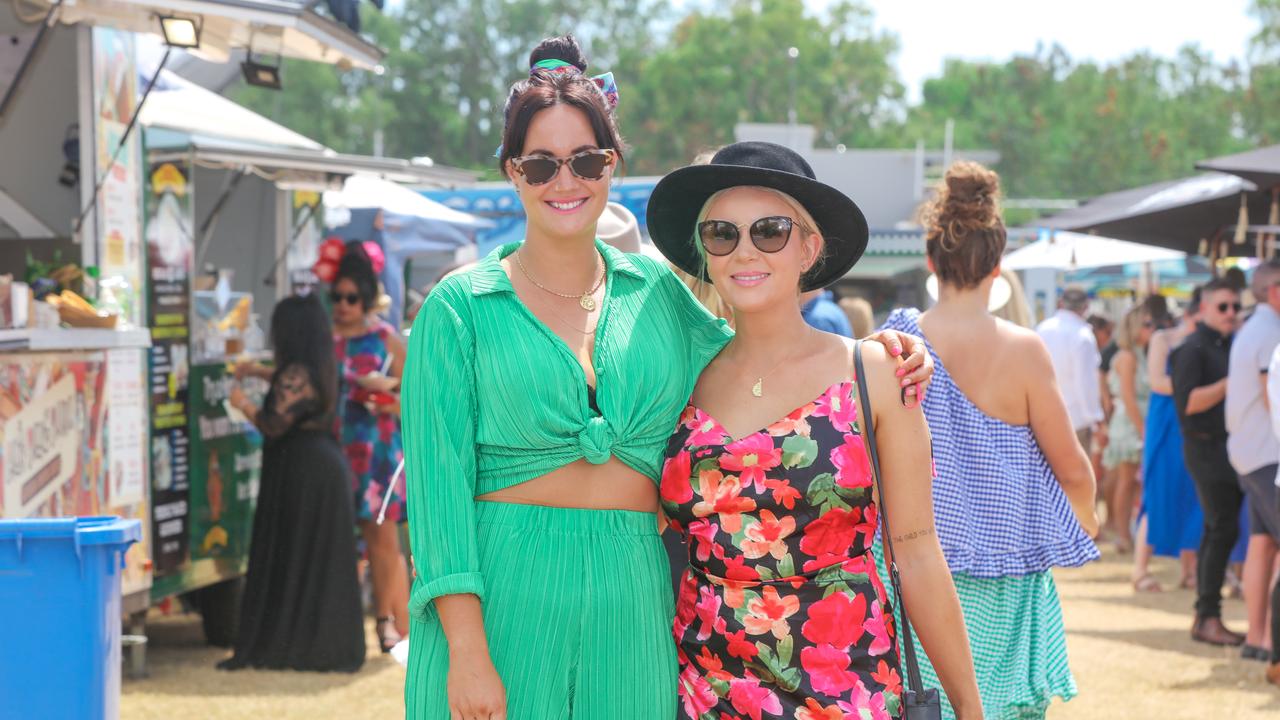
(326, 270)
(376, 258)
(332, 249)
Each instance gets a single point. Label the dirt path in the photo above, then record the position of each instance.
(1130, 653)
(1133, 658)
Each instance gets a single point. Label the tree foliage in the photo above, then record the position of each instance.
(1064, 128)
(1067, 129)
(732, 66)
(448, 67)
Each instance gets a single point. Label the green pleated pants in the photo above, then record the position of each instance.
(577, 609)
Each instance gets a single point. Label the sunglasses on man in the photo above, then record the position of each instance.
(541, 169)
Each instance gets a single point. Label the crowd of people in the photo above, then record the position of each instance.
(569, 407)
(1178, 416)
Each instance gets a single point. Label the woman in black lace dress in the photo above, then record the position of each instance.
(301, 608)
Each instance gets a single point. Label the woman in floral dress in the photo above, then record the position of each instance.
(370, 357)
(782, 612)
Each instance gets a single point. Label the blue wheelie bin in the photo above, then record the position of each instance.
(60, 616)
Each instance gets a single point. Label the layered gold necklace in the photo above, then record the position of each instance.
(586, 300)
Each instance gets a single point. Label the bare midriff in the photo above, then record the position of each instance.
(609, 486)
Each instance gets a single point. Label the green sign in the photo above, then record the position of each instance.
(225, 466)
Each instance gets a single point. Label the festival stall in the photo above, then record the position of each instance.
(131, 275)
(233, 225)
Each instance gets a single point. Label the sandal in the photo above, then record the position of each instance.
(1254, 652)
(385, 629)
(1147, 583)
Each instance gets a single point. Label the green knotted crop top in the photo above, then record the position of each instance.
(493, 398)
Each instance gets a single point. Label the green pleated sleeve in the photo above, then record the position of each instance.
(705, 333)
(438, 429)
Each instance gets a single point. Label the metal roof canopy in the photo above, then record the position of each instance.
(286, 27)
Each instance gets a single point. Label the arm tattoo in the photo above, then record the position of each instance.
(913, 535)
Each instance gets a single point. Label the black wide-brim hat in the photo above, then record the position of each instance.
(678, 198)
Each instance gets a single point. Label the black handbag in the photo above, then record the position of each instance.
(918, 702)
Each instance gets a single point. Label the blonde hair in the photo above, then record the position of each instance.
(1129, 327)
(1016, 310)
(706, 294)
(803, 220)
(861, 318)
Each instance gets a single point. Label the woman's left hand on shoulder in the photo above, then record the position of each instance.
(915, 369)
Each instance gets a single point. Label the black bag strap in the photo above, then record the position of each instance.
(914, 682)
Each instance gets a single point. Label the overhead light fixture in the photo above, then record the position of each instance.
(180, 32)
(261, 74)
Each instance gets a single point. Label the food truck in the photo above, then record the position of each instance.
(147, 227)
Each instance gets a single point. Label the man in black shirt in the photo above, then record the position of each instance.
(1199, 388)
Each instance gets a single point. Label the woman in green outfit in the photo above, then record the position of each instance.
(539, 392)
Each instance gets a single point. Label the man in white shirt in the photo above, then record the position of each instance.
(1076, 360)
(1273, 402)
(1252, 446)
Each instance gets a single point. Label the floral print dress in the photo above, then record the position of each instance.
(782, 612)
(371, 440)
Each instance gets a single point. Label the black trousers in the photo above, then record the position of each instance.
(1220, 495)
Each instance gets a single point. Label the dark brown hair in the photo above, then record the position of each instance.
(1219, 283)
(964, 233)
(356, 266)
(544, 89)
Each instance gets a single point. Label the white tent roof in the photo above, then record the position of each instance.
(178, 104)
(1072, 251)
(179, 115)
(367, 191)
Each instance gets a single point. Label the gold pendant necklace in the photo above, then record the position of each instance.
(757, 389)
(585, 300)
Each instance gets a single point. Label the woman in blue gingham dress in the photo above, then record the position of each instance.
(1003, 518)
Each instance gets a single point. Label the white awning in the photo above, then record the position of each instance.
(313, 169)
(285, 27)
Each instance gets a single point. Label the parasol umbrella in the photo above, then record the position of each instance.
(1066, 250)
(1260, 166)
(1185, 214)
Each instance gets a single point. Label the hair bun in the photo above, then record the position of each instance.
(969, 199)
(563, 47)
(964, 232)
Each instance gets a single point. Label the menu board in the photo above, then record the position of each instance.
(226, 455)
(126, 427)
(170, 216)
